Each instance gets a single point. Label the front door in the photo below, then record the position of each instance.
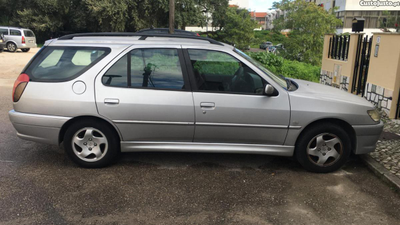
(230, 106)
(145, 93)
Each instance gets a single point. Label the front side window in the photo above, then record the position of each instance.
(64, 63)
(15, 32)
(147, 68)
(220, 72)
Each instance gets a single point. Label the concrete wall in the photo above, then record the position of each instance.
(384, 69)
(383, 81)
(337, 72)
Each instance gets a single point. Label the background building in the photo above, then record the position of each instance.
(348, 9)
(241, 3)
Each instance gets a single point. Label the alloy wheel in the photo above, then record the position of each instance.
(89, 144)
(324, 149)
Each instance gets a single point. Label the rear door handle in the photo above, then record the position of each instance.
(111, 101)
(207, 105)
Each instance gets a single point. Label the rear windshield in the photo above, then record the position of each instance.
(64, 63)
(29, 33)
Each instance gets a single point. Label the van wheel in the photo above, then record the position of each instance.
(323, 148)
(11, 47)
(91, 144)
(25, 49)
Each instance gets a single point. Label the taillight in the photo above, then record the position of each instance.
(23, 40)
(19, 86)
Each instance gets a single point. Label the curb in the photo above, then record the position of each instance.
(381, 172)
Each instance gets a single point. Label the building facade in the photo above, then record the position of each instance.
(347, 10)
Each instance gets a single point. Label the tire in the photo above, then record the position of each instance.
(91, 143)
(323, 148)
(25, 49)
(1, 50)
(11, 47)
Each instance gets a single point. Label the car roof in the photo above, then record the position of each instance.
(166, 30)
(108, 39)
(18, 28)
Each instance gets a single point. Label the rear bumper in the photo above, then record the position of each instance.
(367, 136)
(27, 45)
(38, 128)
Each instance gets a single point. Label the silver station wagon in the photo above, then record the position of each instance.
(100, 94)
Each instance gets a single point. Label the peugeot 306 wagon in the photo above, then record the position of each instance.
(100, 94)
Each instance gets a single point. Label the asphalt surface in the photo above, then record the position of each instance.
(40, 185)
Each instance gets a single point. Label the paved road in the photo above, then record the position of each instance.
(39, 185)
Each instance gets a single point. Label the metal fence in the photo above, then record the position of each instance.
(339, 47)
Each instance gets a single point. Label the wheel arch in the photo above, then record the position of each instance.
(345, 125)
(67, 124)
(12, 41)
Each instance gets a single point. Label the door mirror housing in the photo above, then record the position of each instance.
(269, 90)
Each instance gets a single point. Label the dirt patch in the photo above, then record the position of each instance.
(11, 64)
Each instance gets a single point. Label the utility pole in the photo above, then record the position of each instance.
(171, 16)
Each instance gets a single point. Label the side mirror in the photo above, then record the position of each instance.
(269, 90)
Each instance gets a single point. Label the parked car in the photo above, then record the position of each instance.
(100, 95)
(18, 38)
(271, 49)
(166, 31)
(265, 45)
(2, 42)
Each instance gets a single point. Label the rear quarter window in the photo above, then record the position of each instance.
(29, 33)
(64, 63)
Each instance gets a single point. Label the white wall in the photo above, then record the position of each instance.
(367, 31)
(241, 3)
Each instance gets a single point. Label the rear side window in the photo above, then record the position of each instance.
(147, 68)
(3, 31)
(29, 33)
(64, 63)
(15, 32)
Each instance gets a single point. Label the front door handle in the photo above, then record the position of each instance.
(111, 101)
(207, 105)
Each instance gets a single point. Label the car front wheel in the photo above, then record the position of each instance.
(323, 148)
(91, 144)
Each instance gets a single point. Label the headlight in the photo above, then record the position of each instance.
(374, 114)
(1, 41)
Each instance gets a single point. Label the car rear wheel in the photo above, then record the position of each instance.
(323, 148)
(11, 47)
(91, 144)
(25, 49)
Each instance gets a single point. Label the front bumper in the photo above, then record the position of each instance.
(2, 45)
(38, 128)
(367, 136)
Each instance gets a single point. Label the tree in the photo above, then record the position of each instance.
(389, 21)
(237, 27)
(308, 23)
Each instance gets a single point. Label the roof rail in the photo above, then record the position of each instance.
(142, 36)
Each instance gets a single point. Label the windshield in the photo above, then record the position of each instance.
(282, 82)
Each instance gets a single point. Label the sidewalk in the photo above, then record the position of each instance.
(387, 151)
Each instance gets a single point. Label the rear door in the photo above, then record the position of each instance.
(30, 38)
(146, 93)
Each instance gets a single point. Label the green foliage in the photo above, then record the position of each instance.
(287, 68)
(53, 18)
(389, 21)
(308, 23)
(266, 35)
(237, 28)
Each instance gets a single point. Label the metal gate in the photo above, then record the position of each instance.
(361, 65)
